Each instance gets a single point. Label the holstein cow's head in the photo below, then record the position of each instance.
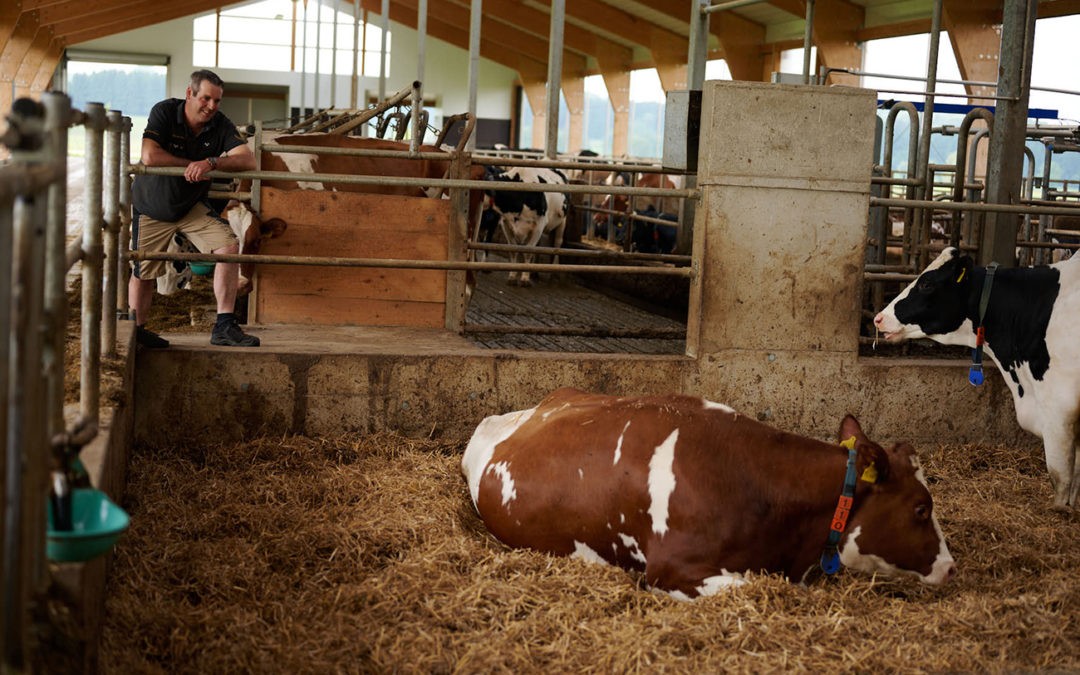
(934, 304)
(892, 529)
(250, 231)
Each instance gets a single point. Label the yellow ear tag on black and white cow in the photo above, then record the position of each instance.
(961, 277)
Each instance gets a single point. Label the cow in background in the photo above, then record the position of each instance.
(1030, 323)
(526, 216)
(655, 238)
(693, 494)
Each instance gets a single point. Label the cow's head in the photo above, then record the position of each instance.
(177, 272)
(935, 304)
(250, 231)
(892, 529)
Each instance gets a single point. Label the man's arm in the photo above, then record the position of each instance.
(239, 158)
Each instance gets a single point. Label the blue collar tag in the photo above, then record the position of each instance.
(830, 562)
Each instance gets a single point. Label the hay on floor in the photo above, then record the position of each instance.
(299, 555)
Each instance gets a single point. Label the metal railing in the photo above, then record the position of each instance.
(35, 434)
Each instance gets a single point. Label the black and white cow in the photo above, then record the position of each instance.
(527, 216)
(1030, 325)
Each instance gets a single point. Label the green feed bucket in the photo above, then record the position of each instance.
(97, 522)
(203, 269)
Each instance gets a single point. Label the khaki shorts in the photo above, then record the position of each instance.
(206, 232)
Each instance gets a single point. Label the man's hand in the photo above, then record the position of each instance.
(197, 171)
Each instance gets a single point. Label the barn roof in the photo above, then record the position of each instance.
(599, 35)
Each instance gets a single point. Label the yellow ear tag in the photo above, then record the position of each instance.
(869, 474)
(848, 443)
(959, 278)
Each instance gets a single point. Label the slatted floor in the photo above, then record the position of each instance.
(559, 314)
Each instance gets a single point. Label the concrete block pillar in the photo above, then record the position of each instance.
(784, 173)
(785, 178)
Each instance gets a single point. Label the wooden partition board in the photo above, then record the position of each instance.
(353, 225)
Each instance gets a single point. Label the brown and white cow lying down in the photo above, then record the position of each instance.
(693, 494)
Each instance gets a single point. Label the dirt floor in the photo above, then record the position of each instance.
(299, 555)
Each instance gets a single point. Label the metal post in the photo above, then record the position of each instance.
(921, 167)
(57, 115)
(554, 76)
(382, 48)
(7, 535)
(315, 105)
(475, 14)
(90, 367)
(356, 70)
(256, 183)
(421, 39)
(303, 65)
(111, 196)
(123, 272)
(1005, 163)
(808, 39)
(333, 62)
(699, 45)
(25, 442)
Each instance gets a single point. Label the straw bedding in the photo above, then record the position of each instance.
(302, 555)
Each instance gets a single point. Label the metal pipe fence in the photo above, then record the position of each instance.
(34, 263)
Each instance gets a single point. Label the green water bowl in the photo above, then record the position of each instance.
(203, 269)
(97, 522)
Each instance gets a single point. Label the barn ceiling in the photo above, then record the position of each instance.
(600, 36)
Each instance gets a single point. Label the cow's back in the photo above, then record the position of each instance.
(595, 475)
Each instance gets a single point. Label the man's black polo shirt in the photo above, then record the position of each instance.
(169, 198)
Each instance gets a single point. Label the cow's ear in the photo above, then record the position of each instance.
(872, 461)
(275, 227)
(964, 266)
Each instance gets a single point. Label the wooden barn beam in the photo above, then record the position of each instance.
(836, 26)
(1050, 8)
(457, 37)
(73, 9)
(92, 30)
(573, 89)
(9, 16)
(509, 37)
(31, 62)
(11, 56)
(30, 5)
(661, 43)
(536, 95)
(618, 87)
(44, 75)
(913, 27)
(742, 42)
(796, 8)
(973, 27)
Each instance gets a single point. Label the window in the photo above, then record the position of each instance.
(284, 41)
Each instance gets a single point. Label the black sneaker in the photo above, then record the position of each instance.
(229, 334)
(149, 339)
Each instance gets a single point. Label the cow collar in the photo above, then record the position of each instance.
(975, 373)
(830, 557)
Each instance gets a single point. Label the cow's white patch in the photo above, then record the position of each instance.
(297, 162)
(622, 518)
(587, 554)
(489, 433)
(618, 445)
(662, 482)
(712, 405)
(721, 582)
(581, 474)
(502, 471)
(632, 548)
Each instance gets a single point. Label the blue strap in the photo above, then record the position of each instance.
(975, 372)
(830, 557)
